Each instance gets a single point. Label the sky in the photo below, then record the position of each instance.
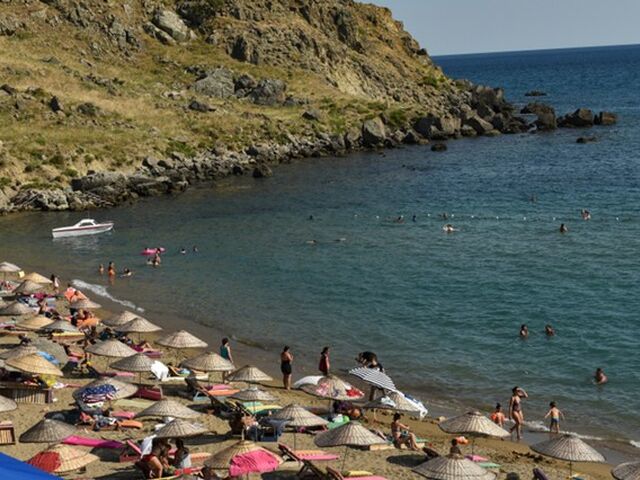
(472, 26)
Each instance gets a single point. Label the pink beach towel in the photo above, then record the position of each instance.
(315, 456)
(477, 458)
(123, 414)
(253, 462)
(92, 442)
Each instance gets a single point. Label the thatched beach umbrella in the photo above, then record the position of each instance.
(453, 467)
(569, 448)
(297, 416)
(7, 405)
(137, 325)
(180, 428)
(36, 322)
(168, 408)
(627, 471)
(138, 363)
(61, 326)
(120, 319)
(181, 340)
(48, 431)
(253, 394)
(28, 288)
(9, 270)
(37, 278)
(209, 362)
(16, 309)
(85, 304)
(62, 459)
(35, 365)
(231, 459)
(52, 348)
(111, 348)
(119, 391)
(249, 374)
(473, 424)
(351, 434)
(18, 351)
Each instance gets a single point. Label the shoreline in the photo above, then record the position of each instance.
(247, 351)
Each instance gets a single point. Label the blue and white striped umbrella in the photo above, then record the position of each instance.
(374, 377)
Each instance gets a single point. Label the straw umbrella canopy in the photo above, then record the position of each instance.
(62, 459)
(249, 374)
(333, 388)
(9, 270)
(19, 351)
(54, 349)
(35, 365)
(453, 467)
(351, 434)
(85, 304)
(627, 471)
(225, 459)
(181, 340)
(253, 394)
(137, 325)
(28, 288)
(297, 416)
(111, 348)
(48, 431)
(209, 362)
(121, 389)
(119, 319)
(7, 405)
(16, 309)
(35, 323)
(180, 428)
(569, 448)
(139, 363)
(168, 408)
(37, 278)
(472, 424)
(61, 326)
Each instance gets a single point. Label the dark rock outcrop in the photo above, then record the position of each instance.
(217, 83)
(586, 139)
(268, 92)
(583, 117)
(606, 118)
(439, 147)
(535, 93)
(374, 132)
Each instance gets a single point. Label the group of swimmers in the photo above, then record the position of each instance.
(111, 271)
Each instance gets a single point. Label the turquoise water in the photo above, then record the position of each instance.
(442, 311)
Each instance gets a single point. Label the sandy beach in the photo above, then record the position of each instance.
(392, 463)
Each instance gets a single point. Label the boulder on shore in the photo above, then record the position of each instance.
(606, 118)
(536, 108)
(374, 133)
(546, 121)
(480, 125)
(586, 139)
(583, 117)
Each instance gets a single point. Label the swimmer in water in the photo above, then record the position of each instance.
(563, 228)
(183, 251)
(101, 269)
(312, 242)
(549, 331)
(126, 273)
(599, 377)
(448, 228)
(586, 214)
(524, 331)
(195, 249)
(400, 219)
(444, 216)
(414, 219)
(310, 217)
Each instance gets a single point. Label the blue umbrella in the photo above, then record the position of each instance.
(17, 470)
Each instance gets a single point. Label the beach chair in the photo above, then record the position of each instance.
(301, 455)
(311, 470)
(336, 475)
(7, 433)
(130, 452)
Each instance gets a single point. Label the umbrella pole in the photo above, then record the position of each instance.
(344, 458)
(570, 469)
(473, 445)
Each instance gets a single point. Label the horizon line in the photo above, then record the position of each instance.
(532, 50)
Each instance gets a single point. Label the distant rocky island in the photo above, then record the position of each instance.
(105, 102)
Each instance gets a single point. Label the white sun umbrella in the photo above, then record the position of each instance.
(569, 448)
(48, 431)
(374, 377)
(209, 362)
(627, 471)
(36, 322)
(398, 402)
(351, 434)
(473, 424)
(119, 319)
(452, 467)
(8, 270)
(120, 389)
(61, 326)
(181, 340)
(138, 325)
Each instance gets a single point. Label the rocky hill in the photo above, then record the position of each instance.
(102, 101)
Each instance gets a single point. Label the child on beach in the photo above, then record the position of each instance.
(497, 416)
(555, 414)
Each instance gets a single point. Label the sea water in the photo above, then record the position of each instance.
(313, 256)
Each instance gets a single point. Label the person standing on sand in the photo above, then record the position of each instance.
(55, 282)
(497, 416)
(555, 414)
(225, 352)
(325, 365)
(286, 358)
(515, 410)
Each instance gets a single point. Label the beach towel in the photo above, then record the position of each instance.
(122, 414)
(133, 403)
(160, 370)
(315, 455)
(477, 458)
(91, 442)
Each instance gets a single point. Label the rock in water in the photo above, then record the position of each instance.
(262, 171)
(606, 118)
(170, 23)
(586, 139)
(374, 132)
(546, 121)
(439, 147)
(536, 108)
(535, 93)
(583, 117)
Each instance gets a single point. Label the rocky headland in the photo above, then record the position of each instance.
(103, 102)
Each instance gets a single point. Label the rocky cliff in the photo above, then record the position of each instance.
(103, 101)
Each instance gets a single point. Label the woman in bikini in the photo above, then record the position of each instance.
(286, 358)
(515, 410)
(401, 434)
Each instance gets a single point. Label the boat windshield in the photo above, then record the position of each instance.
(85, 223)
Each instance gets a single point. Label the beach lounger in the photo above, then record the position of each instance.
(22, 393)
(7, 433)
(92, 442)
(149, 393)
(311, 470)
(302, 455)
(336, 475)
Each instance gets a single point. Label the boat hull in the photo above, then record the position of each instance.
(81, 231)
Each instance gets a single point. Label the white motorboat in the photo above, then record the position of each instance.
(87, 226)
